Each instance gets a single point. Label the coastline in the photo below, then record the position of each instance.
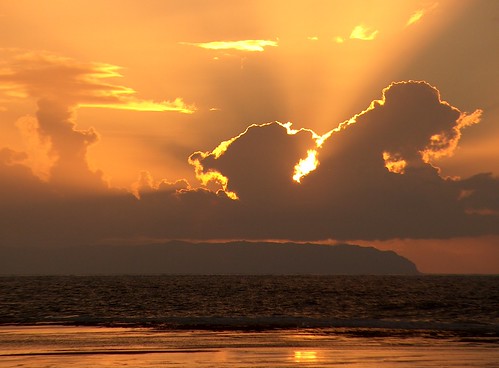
(79, 346)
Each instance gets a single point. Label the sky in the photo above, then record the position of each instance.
(367, 122)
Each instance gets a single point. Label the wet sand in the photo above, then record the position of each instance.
(78, 347)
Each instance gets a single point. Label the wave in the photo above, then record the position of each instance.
(432, 306)
(353, 327)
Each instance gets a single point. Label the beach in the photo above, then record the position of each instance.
(78, 347)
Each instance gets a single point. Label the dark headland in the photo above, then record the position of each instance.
(179, 257)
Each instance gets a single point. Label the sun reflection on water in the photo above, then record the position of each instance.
(305, 356)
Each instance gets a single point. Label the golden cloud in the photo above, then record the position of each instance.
(83, 84)
(419, 14)
(445, 143)
(146, 105)
(206, 177)
(242, 45)
(361, 32)
(394, 163)
(416, 17)
(339, 39)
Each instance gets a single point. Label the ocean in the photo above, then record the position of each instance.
(249, 321)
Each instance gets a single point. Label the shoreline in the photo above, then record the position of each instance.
(60, 346)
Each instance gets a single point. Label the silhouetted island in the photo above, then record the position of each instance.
(180, 257)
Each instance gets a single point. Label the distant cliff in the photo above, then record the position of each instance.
(178, 257)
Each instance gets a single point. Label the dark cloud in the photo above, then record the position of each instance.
(355, 192)
(261, 161)
(480, 194)
(352, 194)
(17, 182)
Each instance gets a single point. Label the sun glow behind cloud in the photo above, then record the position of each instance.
(306, 165)
(302, 168)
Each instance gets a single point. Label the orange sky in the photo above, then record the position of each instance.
(112, 100)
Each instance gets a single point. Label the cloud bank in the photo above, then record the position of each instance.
(372, 177)
(57, 149)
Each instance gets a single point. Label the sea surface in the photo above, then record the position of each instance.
(243, 321)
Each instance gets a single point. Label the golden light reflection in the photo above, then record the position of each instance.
(361, 32)
(305, 356)
(394, 163)
(242, 45)
(306, 165)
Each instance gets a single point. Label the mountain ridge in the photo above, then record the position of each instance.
(184, 257)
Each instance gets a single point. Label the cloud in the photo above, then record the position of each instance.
(416, 17)
(362, 32)
(359, 189)
(177, 105)
(281, 150)
(56, 148)
(18, 186)
(80, 84)
(241, 45)
(376, 178)
(480, 194)
(68, 146)
(56, 151)
(146, 184)
(419, 14)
